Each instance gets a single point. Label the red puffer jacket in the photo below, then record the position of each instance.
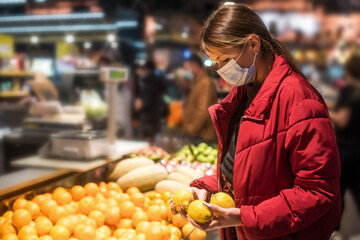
(287, 167)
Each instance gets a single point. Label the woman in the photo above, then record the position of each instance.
(277, 150)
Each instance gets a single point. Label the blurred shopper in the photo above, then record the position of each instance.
(149, 103)
(346, 118)
(278, 157)
(197, 122)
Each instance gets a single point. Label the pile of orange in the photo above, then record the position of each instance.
(95, 212)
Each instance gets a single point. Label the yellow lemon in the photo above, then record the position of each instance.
(223, 200)
(182, 197)
(199, 212)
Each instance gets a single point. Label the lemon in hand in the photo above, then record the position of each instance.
(223, 200)
(182, 197)
(199, 212)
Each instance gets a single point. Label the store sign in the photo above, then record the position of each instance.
(6, 46)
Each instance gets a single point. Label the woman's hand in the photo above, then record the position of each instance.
(228, 217)
(199, 194)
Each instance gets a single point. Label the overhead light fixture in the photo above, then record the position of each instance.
(70, 28)
(184, 35)
(229, 3)
(34, 39)
(207, 63)
(111, 37)
(69, 38)
(4, 2)
(87, 45)
(40, 1)
(53, 17)
(114, 45)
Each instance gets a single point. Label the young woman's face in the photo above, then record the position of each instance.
(222, 56)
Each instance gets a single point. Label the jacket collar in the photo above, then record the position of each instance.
(222, 113)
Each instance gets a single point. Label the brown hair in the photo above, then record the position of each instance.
(231, 25)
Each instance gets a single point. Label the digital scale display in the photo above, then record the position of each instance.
(116, 74)
(111, 74)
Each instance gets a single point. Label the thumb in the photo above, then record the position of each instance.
(215, 208)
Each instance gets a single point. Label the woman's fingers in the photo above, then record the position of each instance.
(215, 208)
(182, 211)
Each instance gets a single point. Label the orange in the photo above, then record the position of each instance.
(142, 227)
(26, 230)
(59, 232)
(182, 197)
(122, 197)
(33, 209)
(43, 227)
(46, 237)
(129, 234)
(89, 222)
(127, 209)
(99, 198)
(21, 218)
(32, 224)
(77, 192)
(155, 232)
(111, 202)
(155, 213)
(112, 215)
(46, 205)
(7, 228)
(197, 234)
(174, 230)
(99, 235)
(91, 189)
(138, 199)
(104, 229)
(19, 204)
(62, 197)
(31, 237)
(166, 196)
(178, 221)
(137, 209)
(104, 191)
(114, 186)
(174, 237)
(48, 195)
(66, 222)
(125, 223)
(112, 193)
(157, 201)
(8, 215)
(10, 236)
(138, 217)
(141, 236)
(70, 209)
(3, 220)
(73, 219)
(39, 218)
(39, 199)
(59, 189)
(83, 232)
(56, 213)
(118, 233)
(98, 217)
(101, 207)
(102, 184)
(132, 190)
(111, 238)
(86, 205)
(155, 195)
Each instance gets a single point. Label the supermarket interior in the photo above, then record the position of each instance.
(101, 102)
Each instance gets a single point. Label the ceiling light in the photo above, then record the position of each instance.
(69, 38)
(207, 63)
(114, 45)
(52, 17)
(87, 45)
(12, 2)
(229, 3)
(111, 37)
(184, 35)
(34, 39)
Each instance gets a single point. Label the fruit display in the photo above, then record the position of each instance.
(202, 153)
(197, 210)
(103, 211)
(154, 153)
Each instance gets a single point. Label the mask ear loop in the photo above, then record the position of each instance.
(254, 59)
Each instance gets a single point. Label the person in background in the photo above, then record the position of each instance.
(197, 122)
(150, 103)
(277, 153)
(346, 118)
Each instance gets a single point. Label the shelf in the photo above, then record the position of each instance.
(16, 74)
(14, 94)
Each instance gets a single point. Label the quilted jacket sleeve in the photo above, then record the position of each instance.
(314, 159)
(208, 182)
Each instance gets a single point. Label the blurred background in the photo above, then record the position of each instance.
(51, 52)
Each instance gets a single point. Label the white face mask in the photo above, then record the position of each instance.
(235, 75)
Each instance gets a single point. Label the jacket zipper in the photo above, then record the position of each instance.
(251, 118)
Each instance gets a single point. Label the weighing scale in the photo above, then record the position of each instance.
(87, 145)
